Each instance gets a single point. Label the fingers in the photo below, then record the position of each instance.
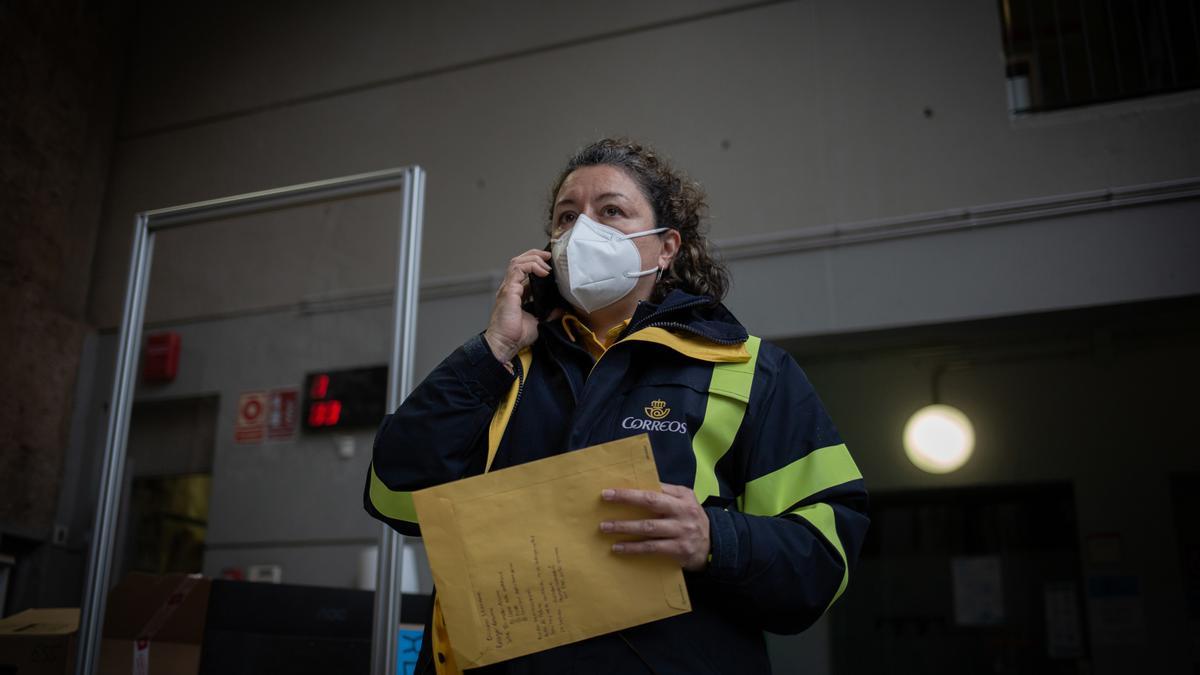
(529, 262)
(657, 502)
(534, 253)
(657, 528)
(516, 277)
(672, 499)
(510, 328)
(535, 258)
(681, 532)
(679, 491)
(681, 549)
(673, 502)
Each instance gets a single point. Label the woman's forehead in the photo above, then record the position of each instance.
(589, 182)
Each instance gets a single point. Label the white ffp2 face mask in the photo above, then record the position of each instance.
(596, 265)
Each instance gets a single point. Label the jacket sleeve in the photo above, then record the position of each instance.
(438, 434)
(786, 553)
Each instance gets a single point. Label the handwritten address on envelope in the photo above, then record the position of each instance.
(520, 563)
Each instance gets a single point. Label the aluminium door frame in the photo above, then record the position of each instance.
(410, 182)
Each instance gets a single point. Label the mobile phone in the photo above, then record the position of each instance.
(543, 296)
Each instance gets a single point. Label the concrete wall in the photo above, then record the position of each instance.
(795, 115)
(59, 75)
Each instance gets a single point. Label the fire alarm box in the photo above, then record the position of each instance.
(161, 360)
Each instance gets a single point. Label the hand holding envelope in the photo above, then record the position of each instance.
(678, 525)
(520, 563)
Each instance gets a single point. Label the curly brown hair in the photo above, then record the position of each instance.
(678, 202)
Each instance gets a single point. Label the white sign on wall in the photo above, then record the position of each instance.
(251, 423)
(978, 590)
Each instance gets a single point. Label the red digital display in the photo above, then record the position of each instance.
(320, 386)
(324, 413)
(345, 398)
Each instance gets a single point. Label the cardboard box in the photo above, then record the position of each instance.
(154, 624)
(39, 642)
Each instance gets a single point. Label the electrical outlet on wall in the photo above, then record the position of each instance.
(60, 535)
(345, 446)
(272, 574)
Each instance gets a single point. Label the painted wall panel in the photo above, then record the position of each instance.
(203, 59)
(793, 115)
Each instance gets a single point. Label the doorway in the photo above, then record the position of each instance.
(966, 579)
(168, 480)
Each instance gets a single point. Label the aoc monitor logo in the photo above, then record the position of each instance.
(657, 411)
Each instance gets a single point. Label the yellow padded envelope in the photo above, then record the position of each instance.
(520, 563)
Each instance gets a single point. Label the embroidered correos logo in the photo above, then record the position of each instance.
(657, 410)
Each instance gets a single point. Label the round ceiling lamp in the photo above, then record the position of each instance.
(939, 438)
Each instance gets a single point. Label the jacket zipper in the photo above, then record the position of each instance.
(644, 322)
(688, 329)
(520, 384)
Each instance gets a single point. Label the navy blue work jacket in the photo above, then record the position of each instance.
(786, 503)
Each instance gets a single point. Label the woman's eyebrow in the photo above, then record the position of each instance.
(607, 195)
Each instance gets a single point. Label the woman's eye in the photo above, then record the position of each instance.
(612, 211)
(566, 217)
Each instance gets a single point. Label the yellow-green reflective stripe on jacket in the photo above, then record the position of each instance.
(819, 470)
(398, 504)
(728, 394)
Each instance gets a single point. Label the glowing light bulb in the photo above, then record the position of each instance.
(939, 438)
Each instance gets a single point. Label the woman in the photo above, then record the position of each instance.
(761, 504)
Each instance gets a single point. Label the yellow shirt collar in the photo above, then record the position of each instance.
(596, 346)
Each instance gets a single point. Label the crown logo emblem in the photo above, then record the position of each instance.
(657, 410)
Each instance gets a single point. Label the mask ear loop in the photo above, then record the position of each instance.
(663, 270)
(635, 235)
(635, 275)
(657, 270)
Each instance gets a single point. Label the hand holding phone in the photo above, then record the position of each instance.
(543, 297)
(510, 328)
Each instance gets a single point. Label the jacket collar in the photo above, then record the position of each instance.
(692, 325)
(689, 324)
(694, 314)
